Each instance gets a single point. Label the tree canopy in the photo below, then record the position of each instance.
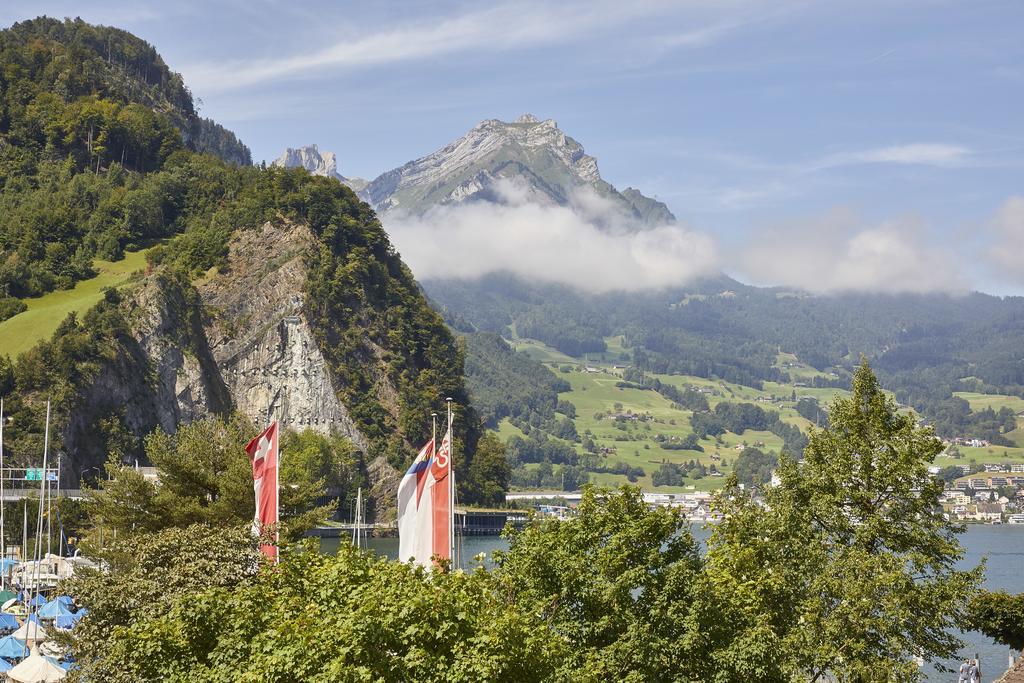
(204, 477)
(846, 572)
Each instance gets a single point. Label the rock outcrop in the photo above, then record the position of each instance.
(317, 163)
(236, 340)
(262, 345)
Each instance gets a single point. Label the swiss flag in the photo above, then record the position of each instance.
(263, 454)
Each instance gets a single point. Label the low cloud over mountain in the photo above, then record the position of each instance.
(585, 244)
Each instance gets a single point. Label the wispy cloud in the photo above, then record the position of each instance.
(502, 27)
(926, 154)
(749, 181)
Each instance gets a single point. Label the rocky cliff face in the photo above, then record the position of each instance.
(237, 340)
(262, 345)
(317, 163)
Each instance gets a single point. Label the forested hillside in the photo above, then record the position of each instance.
(88, 117)
(101, 151)
(924, 346)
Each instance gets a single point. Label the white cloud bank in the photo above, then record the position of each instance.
(587, 245)
(834, 254)
(1008, 250)
(593, 246)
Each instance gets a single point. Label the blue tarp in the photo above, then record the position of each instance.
(65, 600)
(8, 622)
(12, 647)
(5, 666)
(53, 609)
(27, 598)
(6, 563)
(67, 622)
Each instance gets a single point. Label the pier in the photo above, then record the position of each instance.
(467, 523)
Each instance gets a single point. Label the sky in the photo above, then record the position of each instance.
(828, 145)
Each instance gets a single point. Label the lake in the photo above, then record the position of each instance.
(1002, 545)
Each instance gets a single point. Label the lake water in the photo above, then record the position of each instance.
(1003, 546)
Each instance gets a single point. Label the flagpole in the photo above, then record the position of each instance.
(3, 529)
(451, 486)
(277, 498)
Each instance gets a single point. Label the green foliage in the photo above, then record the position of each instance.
(489, 472)
(90, 118)
(850, 566)
(619, 592)
(809, 409)
(722, 329)
(312, 466)
(739, 417)
(204, 477)
(504, 383)
(615, 584)
(97, 141)
(754, 467)
(148, 577)
(9, 306)
(1000, 616)
(209, 137)
(316, 618)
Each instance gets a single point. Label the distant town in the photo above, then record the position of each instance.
(993, 495)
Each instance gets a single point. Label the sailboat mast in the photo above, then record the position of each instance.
(49, 510)
(42, 502)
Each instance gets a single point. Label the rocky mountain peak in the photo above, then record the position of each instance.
(316, 162)
(534, 154)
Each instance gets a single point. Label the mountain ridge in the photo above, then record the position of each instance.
(533, 154)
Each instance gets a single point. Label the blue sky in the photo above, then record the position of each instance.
(749, 119)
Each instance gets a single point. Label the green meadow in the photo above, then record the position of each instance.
(994, 401)
(638, 443)
(23, 331)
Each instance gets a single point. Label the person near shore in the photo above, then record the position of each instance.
(974, 673)
(964, 669)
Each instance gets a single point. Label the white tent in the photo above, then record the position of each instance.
(36, 669)
(31, 631)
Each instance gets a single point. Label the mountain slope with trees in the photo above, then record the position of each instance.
(254, 267)
(925, 347)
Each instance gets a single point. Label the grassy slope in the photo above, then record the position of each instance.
(994, 401)
(23, 331)
(595, 392)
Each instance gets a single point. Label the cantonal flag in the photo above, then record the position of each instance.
(440, 504)
(263, 454)
(410, 494)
